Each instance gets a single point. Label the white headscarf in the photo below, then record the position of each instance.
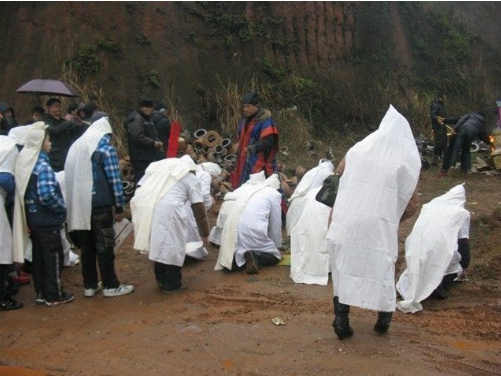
(313, 178)
(78, 175)
(7, 156)
(25, 164)
(213, 169)
(19, 134)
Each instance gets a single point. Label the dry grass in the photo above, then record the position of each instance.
(92, 94)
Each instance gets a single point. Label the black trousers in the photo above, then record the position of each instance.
(139, 170)
(440, 141)
(5, 270)
(264, 258)
(48, 261)
(98, 250)
(170, 276)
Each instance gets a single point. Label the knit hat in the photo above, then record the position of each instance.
(146, 102)
(160, 106)
(250, 98)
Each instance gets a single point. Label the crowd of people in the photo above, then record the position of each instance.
(60, 182)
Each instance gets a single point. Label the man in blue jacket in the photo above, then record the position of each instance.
(94, 188)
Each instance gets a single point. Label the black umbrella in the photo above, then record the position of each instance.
(48, 87)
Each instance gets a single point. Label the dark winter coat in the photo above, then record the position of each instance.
(436, 109)
(62, 135)
(474, 125)
(141, 135)
(162, 126)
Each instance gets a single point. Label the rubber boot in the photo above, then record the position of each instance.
(383, 322)
(341, 322)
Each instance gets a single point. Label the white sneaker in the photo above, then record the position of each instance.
(89, 293)
(120, 290)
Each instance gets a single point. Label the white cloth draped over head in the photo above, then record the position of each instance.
(213, 169)
(78, 175)
(25, 164)
(309, 256)
(229, 236)
(311, 180)
(379, 179)
(430, 247)
(8, 156)
(159, 178)
(19, 134)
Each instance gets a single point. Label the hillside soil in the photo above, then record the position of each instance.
(222, 325)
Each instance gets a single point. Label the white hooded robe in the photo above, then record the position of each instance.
(379, 179)
(430, 247)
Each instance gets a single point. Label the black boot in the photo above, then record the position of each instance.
(439, 293)
(383, 322)
(341, 322)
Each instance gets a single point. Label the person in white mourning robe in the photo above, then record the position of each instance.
(93, 189)
(379, 179)
(8, 157)
(253, 230)
(70, 258)
(160, 219)
(206, 172)
(229, 200)
(311, 180)
(437, 250)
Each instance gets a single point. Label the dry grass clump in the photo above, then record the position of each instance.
(92, 94)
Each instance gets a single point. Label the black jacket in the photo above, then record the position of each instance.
(436, 109)
(62, 135)
(141, 135)
(474, 125)
(162, 126)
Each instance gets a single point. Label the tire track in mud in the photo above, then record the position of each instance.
(470, 369)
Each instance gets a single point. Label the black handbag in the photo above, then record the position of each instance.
(327, 194)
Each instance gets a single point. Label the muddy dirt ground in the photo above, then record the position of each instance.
(222, 325)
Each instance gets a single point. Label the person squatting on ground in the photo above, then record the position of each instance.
(143, 141)
(257, 141)
(437, 251)
(252, 232)
(160, 219)
(378, 183)
(229, 200)
(93, 188)
(40, 209)
(8, 157)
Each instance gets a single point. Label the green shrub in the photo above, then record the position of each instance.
(86, 61)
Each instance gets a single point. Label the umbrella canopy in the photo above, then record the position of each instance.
(48, 87)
